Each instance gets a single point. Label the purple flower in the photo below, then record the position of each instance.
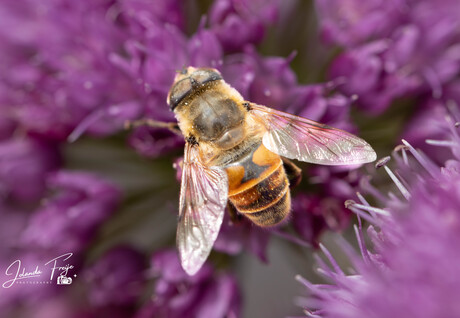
(428, 123)
(233, 238)
(358, 72)
(240, 22)
(140, 14)
(13, 222)
(312, 215)
(205, 49)
(116, 278)
(66, 304)
(152, 142)
(175, 294)
(57, 71)
(267, 81)
(152, 66)
(21, 293)
(7, 127)
(24, 164)
(352, 22)
(157, 54)
(324, 210)
(153, 59)
(152, 62)
(65, 223)
(270, 81)
(413, 268)
(68, 220)
(395, 49)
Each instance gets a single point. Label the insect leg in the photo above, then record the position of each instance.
(293, 173)
(235, 216)
(130, 124)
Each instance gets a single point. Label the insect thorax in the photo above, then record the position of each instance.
(210, 114)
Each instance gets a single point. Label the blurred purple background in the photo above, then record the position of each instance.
(73, 180)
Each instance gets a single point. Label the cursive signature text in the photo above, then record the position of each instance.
(64, 269)
(19, 272)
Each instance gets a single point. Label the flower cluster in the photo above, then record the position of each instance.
(412, 270)
(158, 47)
(72, 70)
(80, 197)
(206, 294)
(427, 124)
(56, 74)
(65, 222)
(117, 278)
(392, 49)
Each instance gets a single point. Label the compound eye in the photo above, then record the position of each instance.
(179, 91)
(203, 76)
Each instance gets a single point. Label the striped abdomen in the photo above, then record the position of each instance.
(259, 188)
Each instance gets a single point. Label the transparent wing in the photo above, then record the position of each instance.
(203, 197)
(299, 138)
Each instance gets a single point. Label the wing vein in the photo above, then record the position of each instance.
(303, 139)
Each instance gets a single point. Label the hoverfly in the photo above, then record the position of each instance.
(237, 155)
